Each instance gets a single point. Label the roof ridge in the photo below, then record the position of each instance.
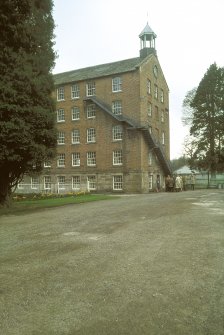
(94, 66)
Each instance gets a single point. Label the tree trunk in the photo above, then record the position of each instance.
(5, 191)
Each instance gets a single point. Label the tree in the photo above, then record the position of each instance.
(207, 121)
(178, 163)
(27, 129)
(187, 117)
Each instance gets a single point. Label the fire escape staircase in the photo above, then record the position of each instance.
(152, 142)
(156, 146)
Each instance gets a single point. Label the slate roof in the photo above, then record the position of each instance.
(97, 71)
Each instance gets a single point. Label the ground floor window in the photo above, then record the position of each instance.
(150, 182)
(34, 183)
(76, 183)
(61, 182)
(91, 182)
(118, 182)
(47, 183)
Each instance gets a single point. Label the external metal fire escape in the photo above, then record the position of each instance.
(153, 144)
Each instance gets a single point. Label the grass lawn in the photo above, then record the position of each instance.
(25, 206)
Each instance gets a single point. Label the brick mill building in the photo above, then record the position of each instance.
(113, 126)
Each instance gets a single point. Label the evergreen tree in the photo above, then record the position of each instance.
(207, 127)
(27, 129)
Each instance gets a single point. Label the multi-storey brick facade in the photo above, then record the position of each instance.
(113, 126)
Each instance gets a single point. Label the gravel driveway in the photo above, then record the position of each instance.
(141, 264)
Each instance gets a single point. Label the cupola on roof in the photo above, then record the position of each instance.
(147, 42)
(147, 31)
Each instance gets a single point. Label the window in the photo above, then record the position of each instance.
(90, 89)
(149, 109)
(91, 182)
(156, 92)
(60, 115)
(91, 135)
(75, 91)
(150, 182)
(76, 159)
(60, 94)
(47, 183)
(162, 95)
(75, 136)
(91, 158)
(163, 137)
(162, 116)
(75, 113)
(34, 183)
(148, 86)
(157, 113)
(118, 182)
(117, 107)
(61, 160)
(47, 164)
(150, 158)
(61, 183)
(76, 182)
(116, 84)
(117, 133)
(117, 157)
(91, 111)
(61, 137)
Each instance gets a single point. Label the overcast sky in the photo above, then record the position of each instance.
(189, 39)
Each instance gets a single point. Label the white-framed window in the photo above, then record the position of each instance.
(150, 129)
(60, 93)
(91, 182)
(162, 95)
(117, 157)
(90, 89)
(76, 159)
(47, 182)
(155, 91)
(34, 183)
(150, 158)
(162, 116)
(91, 159)
(75, 91)
(117, 107)
(117, 133)
(118, 182)
(61, 182)
(117, 84)
(75, 136)
(163, 137)
(149, 86)
(61, 137)
(60, 115)
(91, 111)
(75, 113)
(61, 160)
(149, 109)
(91, 135)
(150, 181)
(47, 164)
(76, 182)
